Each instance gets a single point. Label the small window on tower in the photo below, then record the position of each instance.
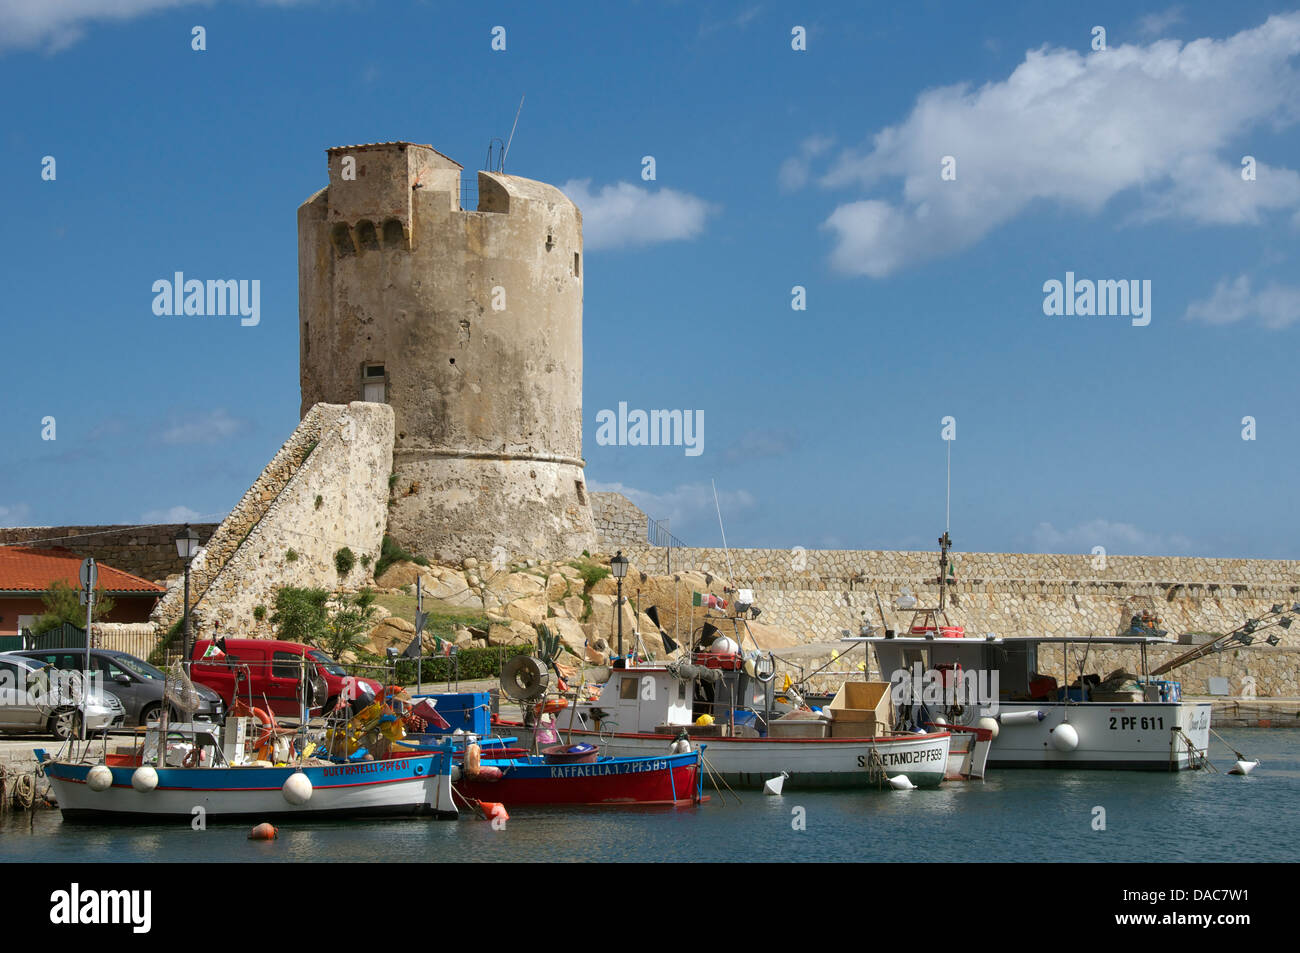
(374, 384)
(577, 267)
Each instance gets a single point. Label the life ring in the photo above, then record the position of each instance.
(268, 725)
(193, 757)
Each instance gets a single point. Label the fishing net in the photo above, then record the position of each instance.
(180, 691)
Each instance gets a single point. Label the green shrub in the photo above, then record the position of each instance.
(320, 501)
(390, 552)
(475, 663)
(291, 556)
(344, 561)
(259, 613)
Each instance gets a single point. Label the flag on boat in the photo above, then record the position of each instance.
(708, 600)
(214, 652)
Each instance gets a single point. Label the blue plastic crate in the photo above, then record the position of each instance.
(468, 711)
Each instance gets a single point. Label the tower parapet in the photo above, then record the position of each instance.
(468, 322)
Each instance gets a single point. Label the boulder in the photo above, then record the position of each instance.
(531, 610)
(400, 575)
(556, 586)
(516, 633)
(573, 605)
(570, 632)
(393, 632)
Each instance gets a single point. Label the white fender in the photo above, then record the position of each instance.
(144, 779)
(297, 789)
(99, 778)
(1021, 717)
(1064, 737)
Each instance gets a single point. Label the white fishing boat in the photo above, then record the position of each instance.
(995, 684)
(643, 709)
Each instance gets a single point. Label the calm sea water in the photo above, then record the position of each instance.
(1023, 815)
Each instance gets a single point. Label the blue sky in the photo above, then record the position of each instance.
(775, 168)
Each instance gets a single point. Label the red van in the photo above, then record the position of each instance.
(269, 671)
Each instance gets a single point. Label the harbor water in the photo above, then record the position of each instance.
(1015, 815)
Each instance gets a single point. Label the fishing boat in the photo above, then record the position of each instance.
(574, 774)
(220, 788)
(995, 685)
(644, 707)
(215, 780)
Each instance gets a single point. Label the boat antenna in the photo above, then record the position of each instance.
(506, 151)
(718, 507)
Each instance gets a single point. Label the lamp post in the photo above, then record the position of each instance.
(187, 544)
(618, 566)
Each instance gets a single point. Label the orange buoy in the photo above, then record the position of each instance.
(489, 772)
(494, 810)
(263, 832)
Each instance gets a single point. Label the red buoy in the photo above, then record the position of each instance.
(263, 832)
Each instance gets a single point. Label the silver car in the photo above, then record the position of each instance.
(34, 699)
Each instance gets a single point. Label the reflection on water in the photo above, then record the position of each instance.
(1025, 815)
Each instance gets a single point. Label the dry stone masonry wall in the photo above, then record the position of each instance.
(326, 489)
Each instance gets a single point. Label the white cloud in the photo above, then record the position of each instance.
(15, 515)
(1274, 306)
(627, 214)
(212, 427)
(794, 171)
(57, 24)
(175, 514)
(1154, 24)
(1115, 538)
(1166, 122)
(680, 505)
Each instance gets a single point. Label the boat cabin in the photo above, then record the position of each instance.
(658, 699)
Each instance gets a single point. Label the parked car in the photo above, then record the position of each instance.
(267, 672)
(136, 683)
(34, 701)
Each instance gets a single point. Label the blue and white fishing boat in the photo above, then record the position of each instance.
(216, 781)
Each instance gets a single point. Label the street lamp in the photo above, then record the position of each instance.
(187, 544)
(618, 566)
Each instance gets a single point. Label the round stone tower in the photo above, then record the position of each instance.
(469, 323)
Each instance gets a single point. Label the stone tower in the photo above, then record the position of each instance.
(468, 322)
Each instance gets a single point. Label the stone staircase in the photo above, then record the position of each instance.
(235, 529)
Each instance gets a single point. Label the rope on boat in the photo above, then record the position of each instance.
(1240, 756)
(716, 777)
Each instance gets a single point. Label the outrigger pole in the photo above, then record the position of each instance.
(1244, 633)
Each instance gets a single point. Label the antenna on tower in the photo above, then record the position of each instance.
(506, 152)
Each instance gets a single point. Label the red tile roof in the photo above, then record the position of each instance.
(26, 569)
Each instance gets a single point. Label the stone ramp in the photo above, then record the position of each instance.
(324, 490)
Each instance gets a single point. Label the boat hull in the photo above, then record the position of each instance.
(1135, 736)
(668, 779)
(809, 762)
(402, 787)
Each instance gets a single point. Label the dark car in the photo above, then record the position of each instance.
(134, 681)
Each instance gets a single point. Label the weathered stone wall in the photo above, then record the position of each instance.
(817, 594)
(327, 488)
(146, 551)
(475, 317)
(1259, 671)
(620, 523)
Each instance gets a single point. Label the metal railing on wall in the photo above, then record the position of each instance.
(657, 534)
